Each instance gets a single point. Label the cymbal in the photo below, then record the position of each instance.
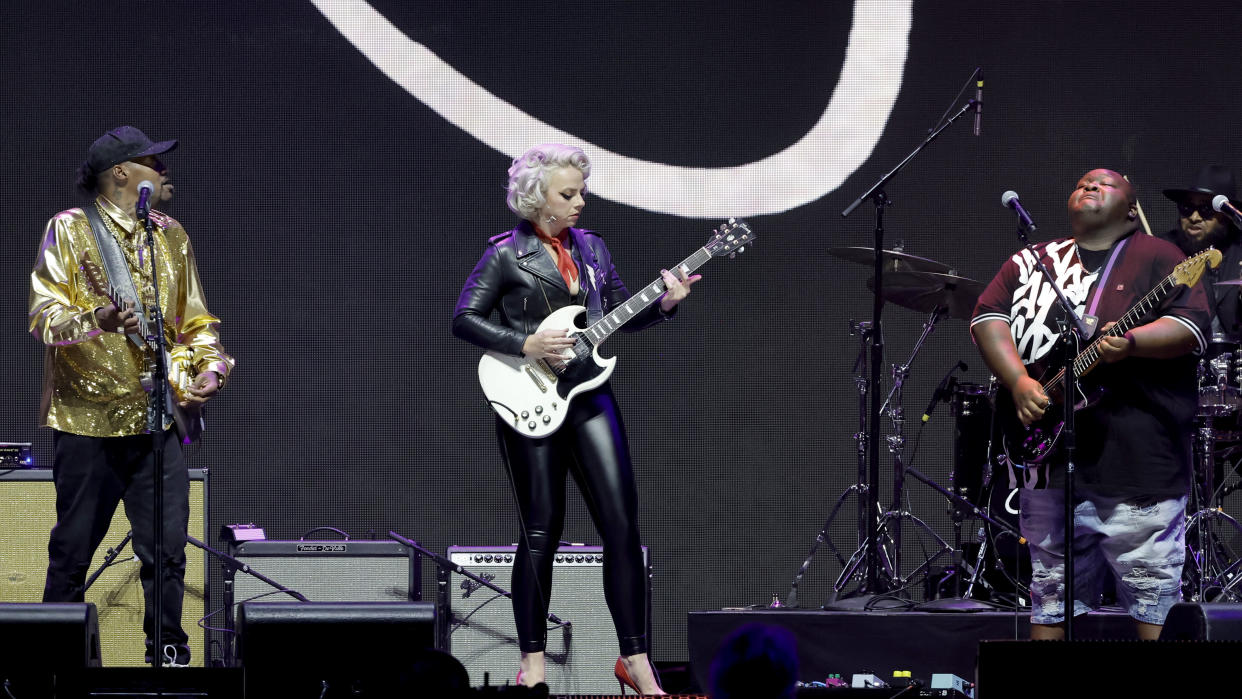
(1229, 282)
(927, 291)
(894, 261)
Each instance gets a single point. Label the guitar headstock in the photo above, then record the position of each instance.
(95, 278)
(730, 238)
(1189, 270)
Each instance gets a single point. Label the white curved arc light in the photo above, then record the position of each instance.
(815, 165)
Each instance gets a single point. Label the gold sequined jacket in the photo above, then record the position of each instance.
(91, 379)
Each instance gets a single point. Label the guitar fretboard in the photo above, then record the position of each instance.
(601, 329)
(1089, 358)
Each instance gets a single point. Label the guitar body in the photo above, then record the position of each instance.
(1032, 444)
(189, 421)
(530, 395)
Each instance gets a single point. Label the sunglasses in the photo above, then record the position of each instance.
(150, 161)
(1205, 210)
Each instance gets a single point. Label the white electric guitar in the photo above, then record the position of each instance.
(533, 395)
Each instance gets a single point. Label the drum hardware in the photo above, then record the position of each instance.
(860, 489)
(869, 524)
(891, 260)
(886, 542)
(1211, 567)
(1208, 565)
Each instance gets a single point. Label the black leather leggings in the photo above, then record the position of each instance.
(592, 446)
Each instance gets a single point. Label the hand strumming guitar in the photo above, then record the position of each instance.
(548, 344)
(1029, 399)
(206, 385)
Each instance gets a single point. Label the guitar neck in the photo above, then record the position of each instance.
(601, 329)
(1090, 358)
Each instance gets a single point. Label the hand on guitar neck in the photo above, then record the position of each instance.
(117, 320)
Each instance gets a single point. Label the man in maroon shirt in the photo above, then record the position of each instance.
(1134, 446)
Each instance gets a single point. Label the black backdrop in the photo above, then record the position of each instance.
(335, 217)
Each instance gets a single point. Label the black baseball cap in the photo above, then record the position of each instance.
(121, 144)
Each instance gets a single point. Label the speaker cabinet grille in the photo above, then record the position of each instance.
(482, 635)
(27, 513)
(329, 571)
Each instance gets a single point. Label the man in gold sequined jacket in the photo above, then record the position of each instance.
(93, 394)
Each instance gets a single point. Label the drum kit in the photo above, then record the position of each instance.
(978, 479)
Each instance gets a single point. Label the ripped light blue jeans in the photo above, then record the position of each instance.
(1140, 542)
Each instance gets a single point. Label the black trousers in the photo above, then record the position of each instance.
(92, 475)
(591, 446)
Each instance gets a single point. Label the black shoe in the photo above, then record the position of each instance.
(175, 655)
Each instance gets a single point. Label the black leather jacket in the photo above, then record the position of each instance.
(519, 280)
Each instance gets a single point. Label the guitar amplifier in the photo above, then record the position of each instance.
(479, 629)
(328, 571)
(27, 513)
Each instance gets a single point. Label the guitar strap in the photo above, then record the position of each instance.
(1100, 284)
(595, 306)
(119, 277)
(116, 268)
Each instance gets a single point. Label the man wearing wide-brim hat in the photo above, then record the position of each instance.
(1200, 226)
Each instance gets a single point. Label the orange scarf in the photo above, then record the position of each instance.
(564, 262)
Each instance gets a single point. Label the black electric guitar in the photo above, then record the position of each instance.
(189, 419)
(1031, 444)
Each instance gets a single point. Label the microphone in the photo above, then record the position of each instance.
(1221, 203)
(1010, 199)
(943, 389)
(144, 194)
(978, 100)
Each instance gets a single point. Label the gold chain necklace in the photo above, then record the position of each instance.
(134, 255)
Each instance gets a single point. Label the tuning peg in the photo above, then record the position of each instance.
(742, 249)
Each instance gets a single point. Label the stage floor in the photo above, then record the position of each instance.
(883, 641)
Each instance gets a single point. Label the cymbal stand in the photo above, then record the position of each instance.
(860, 488)
(885, 545)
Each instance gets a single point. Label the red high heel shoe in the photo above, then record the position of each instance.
(624, 679)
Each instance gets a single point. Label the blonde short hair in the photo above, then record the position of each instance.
(528, 176)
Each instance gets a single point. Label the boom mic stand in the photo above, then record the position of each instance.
(231, 566)
(880, 199)
(445, 566)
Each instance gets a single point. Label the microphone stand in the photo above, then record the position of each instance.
(109, 559)
(1077, 328)
(230, 566)
(444, 564)
(157, 415)
(881, 200)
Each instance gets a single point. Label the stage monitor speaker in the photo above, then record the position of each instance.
(329, 571)
(27, 514)
(299, 648)
(1203, 622)
(1037, 669)
(38, 640)
(478, 626)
